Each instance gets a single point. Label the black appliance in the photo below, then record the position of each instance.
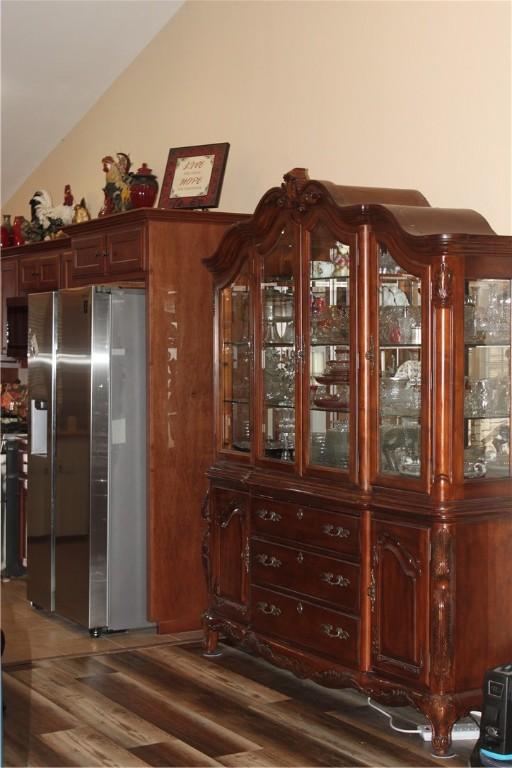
(494, 747)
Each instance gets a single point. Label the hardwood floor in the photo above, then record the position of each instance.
(158, 702)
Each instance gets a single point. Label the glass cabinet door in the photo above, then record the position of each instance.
(235, 365)
(487, 348)
(329, 350)
(278, 355)
(399, 356)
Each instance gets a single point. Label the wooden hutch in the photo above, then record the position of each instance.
(360, 507)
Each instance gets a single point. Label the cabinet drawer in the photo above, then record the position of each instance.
(316, 527)
(328, 632)
(320, 576)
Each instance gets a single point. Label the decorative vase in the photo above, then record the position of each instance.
(18, 236)
(7, 233)
(143, 188)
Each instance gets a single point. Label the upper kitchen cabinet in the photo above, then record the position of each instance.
(362, 413)
(108, 248)
(39, 265)
(29, 268)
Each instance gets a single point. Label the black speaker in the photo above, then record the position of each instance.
(496, 724)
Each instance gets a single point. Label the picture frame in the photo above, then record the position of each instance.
(193, 176)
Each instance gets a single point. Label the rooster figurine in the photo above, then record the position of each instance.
(117, 187)
(47, 219)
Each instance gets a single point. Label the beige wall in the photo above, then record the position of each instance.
(412, 94)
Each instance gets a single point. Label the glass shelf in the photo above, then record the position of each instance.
(241, 343)
(488, 417)
(331, 408)
(486, 344)
(400, 346)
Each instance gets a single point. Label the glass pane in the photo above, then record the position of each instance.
(329, 354)
(236, 365)
(399, 320)
(487, 343)
(278, 349)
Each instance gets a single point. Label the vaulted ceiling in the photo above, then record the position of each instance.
(58, 58)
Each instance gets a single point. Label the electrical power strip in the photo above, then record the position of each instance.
(460, 731)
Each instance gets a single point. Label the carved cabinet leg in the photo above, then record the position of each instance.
(442, 714)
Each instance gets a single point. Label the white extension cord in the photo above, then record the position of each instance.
(460, 731)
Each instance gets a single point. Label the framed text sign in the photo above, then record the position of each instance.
(193, 176)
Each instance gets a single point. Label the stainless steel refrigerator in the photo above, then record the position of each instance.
(86, 496)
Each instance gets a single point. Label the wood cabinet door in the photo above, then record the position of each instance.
(230, 553)
(9, 289)
(49, 272)
(29, 274)
(89, 256)
(125, 251)
(399, 600)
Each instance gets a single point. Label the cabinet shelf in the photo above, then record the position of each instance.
(399, 346)
(329, 408)
(488, 417)
(392, 277)
(242, 343)
(487, 345)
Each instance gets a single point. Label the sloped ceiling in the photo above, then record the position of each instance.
(58, 58)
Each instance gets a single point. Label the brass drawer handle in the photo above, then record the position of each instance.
(266, 514)
(269, 609)
(269, 561)
(336, 531)
(336, 632)
(335, 581)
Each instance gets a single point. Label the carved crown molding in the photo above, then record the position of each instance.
(294, 195)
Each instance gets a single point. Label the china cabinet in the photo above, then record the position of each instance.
(360, 500)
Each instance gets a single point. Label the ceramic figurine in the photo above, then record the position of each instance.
(47, 219)
(80, 212)
(117, 187)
